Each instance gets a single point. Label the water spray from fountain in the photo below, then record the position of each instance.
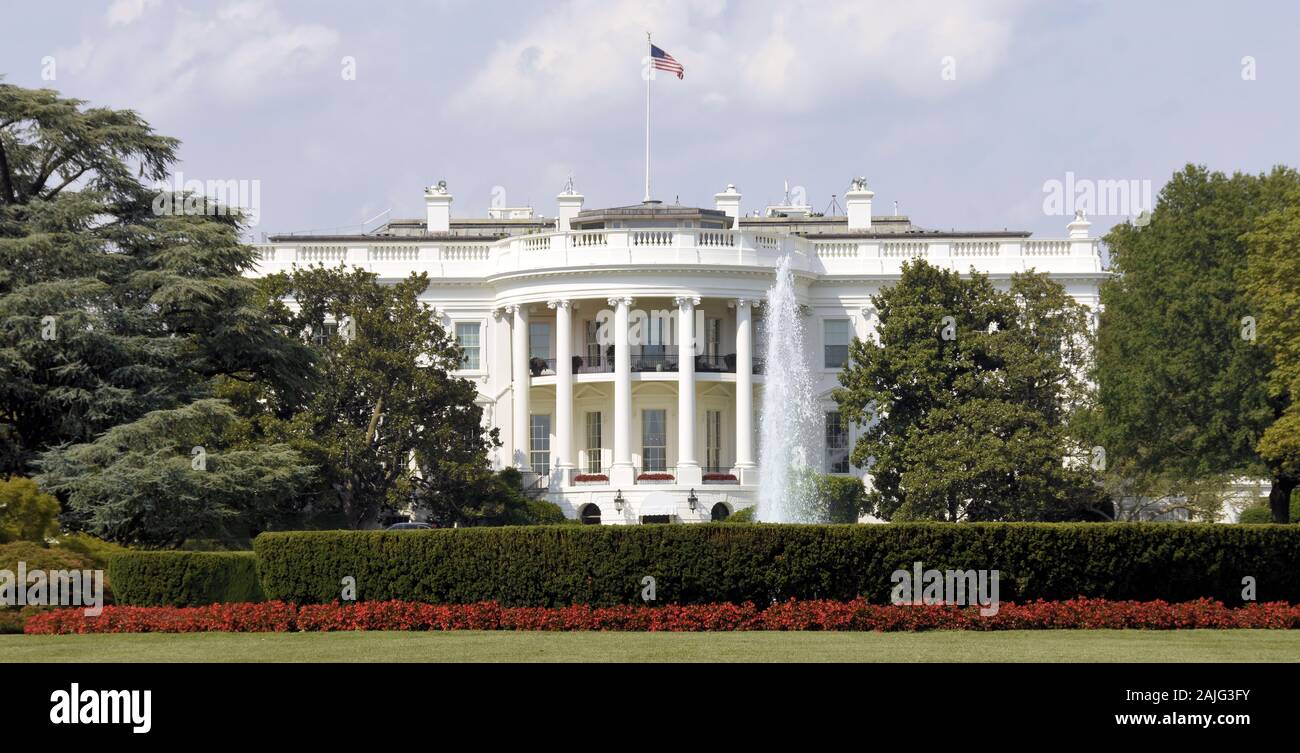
(790, 425)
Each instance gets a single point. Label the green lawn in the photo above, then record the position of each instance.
(1036, 645)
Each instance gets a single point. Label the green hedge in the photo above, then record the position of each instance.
(184, 579)
(603, 565)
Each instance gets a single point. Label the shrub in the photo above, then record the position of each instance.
(38, 557)
(183, 579)
(98, 551)
(26, 513)
(845, 497)
(1261, 513)
(743, 515)
(694, 564)
(858, 615)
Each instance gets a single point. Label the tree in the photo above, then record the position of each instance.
(26, 514)
(968, 399)
(174, 475)
(110, 309)
(1272, 287)
(1183, 390)
(389, 423)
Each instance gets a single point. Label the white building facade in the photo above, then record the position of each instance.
(660, 426)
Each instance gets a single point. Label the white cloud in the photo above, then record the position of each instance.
(762, 54)
(123, 12)
(240, 52)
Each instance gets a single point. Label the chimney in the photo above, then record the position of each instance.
(437, 204)
(857, 202)
(729, 202)
(570, 202)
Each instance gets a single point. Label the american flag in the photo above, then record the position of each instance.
(665, 62)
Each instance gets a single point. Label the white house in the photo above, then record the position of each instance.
(662, 427)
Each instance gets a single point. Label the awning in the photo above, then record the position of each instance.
(658, 503)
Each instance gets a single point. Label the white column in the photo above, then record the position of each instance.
(620, 471)
(744, 388)
(562, 453)
(521, 382)
(688, 466)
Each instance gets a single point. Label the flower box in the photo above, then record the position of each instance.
(591, 478)
(720, 477)
(656, 476)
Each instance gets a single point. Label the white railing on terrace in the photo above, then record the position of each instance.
(711, 248)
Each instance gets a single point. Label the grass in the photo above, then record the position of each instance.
(476, 646)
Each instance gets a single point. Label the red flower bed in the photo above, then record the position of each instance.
(656, 477)
(719, 477)
(791, 615)
(581, 477)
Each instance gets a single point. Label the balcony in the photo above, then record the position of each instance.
(720, 249)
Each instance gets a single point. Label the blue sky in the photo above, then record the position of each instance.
(517, 96)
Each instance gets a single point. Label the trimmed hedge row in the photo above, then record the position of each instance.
(184, 579)
(700, 564)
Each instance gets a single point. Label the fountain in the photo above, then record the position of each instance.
(790, 425)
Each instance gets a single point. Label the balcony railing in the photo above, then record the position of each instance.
(715, 248)
(643, 360)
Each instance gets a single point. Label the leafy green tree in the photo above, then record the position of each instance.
(1183, 391)
(26, 513)
(968, 398)
(389, 423)
(110, 309)
(174, 475)
(1272, 287)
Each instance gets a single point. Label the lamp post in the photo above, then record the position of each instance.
(692, 500)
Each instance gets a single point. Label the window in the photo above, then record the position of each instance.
(539, 443)
(589, 514)
(654, 444)
(467, 335)
(712, 338)
(594, 349)
(719, 512)
(593, 442)
(324, 333)
(837, 444)
(835, 342)
(539, 340)
(713, 440)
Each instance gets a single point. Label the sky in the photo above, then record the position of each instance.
(964, 113)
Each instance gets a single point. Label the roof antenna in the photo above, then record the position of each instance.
(895, 207)
(834, 209)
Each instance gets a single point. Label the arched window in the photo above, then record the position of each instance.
(590, 515)
(720, 511)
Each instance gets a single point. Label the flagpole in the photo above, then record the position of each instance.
(649, 73)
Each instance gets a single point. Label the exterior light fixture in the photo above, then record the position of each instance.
(618, 501)
(692, 500)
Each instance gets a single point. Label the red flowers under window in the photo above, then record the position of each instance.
(582, 477)
(656, 477)
(719, 477)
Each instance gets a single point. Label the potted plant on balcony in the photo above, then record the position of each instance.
(577, 364)
(718, 477)
(591, 478)
(536, 365)
(730, 361)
